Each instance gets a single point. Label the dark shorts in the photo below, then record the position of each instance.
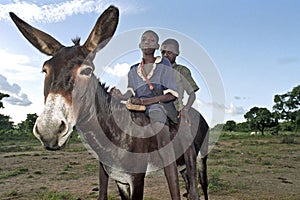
(156, 113)
(159, 113)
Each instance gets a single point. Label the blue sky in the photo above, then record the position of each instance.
(254, 45)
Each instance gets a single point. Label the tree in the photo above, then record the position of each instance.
(287, 106)
(1, 97)
(243, 127)
(5, 123)
(218, 127)
(6, 126)
(260, 118)
(25, 127)
(297, 124)
(230, 125)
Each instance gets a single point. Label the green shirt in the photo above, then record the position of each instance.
(184, 82)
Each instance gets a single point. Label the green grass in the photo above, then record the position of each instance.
(4, 175)
(289, 140)
(12, 193)
(16, 148)
(58, 196)
(239, 160)
(216, 184)
(90, 168)
(112, 197)
(239, 166)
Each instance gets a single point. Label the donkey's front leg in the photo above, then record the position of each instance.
(137, 187)
(191, 169)
(103, 183)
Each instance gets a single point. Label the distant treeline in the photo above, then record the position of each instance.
(284, 117)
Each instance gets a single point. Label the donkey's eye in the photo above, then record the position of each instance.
(86, 72)
(44, 71)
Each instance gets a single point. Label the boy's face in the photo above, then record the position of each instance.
(149, 41)
(169, 51)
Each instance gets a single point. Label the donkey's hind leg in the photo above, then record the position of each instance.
(203, 176)
(186, 182)
(190, 162)
(133, 190)
(124, 190)
(203, 165)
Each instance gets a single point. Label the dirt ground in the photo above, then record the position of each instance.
(72, 174)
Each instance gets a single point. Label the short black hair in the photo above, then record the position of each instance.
(150, 31)
(171, 41)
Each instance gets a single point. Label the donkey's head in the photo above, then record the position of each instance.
(68, 76)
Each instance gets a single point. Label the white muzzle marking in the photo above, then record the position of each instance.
(56, 122)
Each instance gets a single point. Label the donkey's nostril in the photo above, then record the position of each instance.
(62, 127)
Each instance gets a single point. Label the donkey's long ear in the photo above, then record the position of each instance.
(42, 41)
(103, 30)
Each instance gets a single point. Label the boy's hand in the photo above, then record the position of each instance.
(136, 101)
(184, 113)
(115, 93)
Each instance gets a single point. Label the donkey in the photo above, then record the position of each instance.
(74, 97)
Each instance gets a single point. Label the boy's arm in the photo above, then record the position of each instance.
(116, 93)
(147, 101)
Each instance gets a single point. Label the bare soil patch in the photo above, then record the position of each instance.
(247, 168)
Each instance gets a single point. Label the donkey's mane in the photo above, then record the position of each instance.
(111, 106)
(104, 94)
(76, 41)
(103, 85)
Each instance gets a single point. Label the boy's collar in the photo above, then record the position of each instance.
(158, 59)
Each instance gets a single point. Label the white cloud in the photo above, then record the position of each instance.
(240, 98)
(23, 83)
(119, 70)
(12, 59)
(234, 110)
(16, 67)
(237, 97)
(214, 105)
(16, 97)
(229, 110)
(39, 12)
